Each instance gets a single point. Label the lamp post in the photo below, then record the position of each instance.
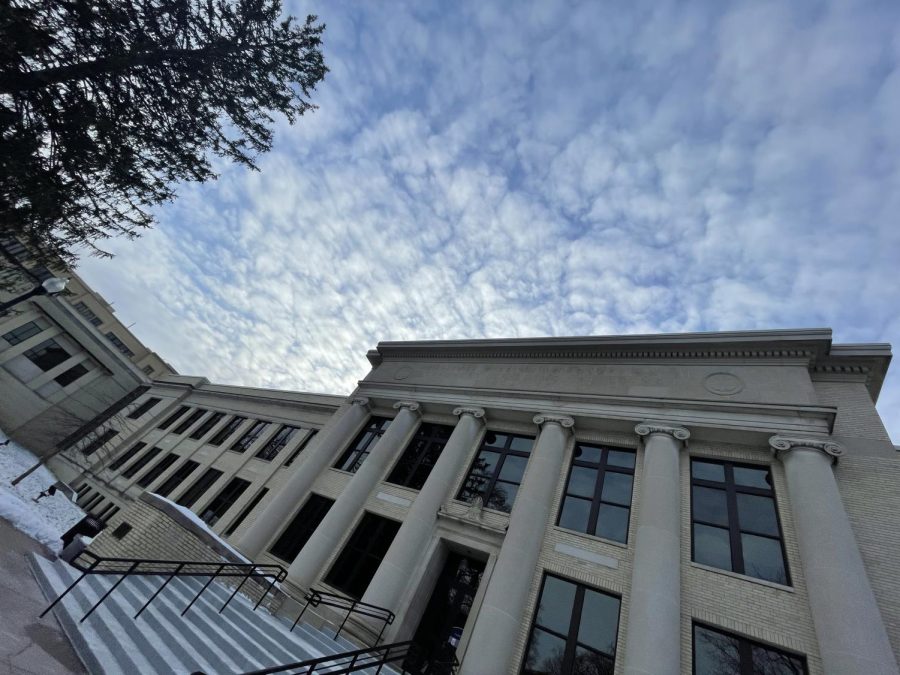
(51, 286)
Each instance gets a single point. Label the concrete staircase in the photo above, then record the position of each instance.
(111, 642)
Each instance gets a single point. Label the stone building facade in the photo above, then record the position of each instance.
(707, 503)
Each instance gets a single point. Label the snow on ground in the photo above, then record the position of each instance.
(45, 520)
(200, 523)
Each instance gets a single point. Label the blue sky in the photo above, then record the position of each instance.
(486, 169)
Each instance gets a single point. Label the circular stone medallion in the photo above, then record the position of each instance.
(402, 373)
(723, 384)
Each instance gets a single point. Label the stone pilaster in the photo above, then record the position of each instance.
(851, 634)
(493, 642)
(316, 459)
(653, 635)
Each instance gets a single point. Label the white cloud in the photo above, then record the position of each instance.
(485, 171)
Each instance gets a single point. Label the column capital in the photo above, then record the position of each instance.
(413, 406)
(677, 432)
(477, 413)
(564, 421)
(361, 401)
(783, 444)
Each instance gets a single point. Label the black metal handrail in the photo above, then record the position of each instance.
(170, 569)
(316, 598)
(348, 662)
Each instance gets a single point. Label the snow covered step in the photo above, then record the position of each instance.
(110, 641)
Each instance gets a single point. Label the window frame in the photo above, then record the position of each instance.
(48, 346)
(504, 452)
(249, 437)
(227, 497)
(731, 490)
(157, 470)
(571, 639)
(189, 421)
(745, 649)
(602, 468)
(364, 552)
(432, 438)
(302, 446)
(21, 333)
(272, 447)
(201, 485)
(207, 425)
(355, 452)
(223, 434)
(246, 511)
(305, 528)
(177, 478)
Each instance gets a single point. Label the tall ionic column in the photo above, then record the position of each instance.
(851, 633)
(317, 459)
(394, 573)
(309, 562)
(502, 611)
(653, 636)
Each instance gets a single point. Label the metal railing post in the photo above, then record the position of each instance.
(300, 615)
(205, 586)
(267, 591)
(111, 589)
(349, 612)
(159, 590)
(239, 586)
(84, 573)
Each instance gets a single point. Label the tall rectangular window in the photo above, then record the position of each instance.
(249, 437)
(497, 470)
(99, 441)
(208, 424)
(246, 511)
(143, 408)
(360, 558)
(87, 313)
(597, 499)
(281, 438)
(126, 456)
(300, 529)
(157, 470)
(420, 456)
(177, 478)
(719, 653)
(223, 501)
(47, 355)
(22, 333)
(200, 486)
(299, 448)
(189, 421)
(225, 432)
(141, 462)
(174, 417)
(735, 520)
(574, 632)
(362, 445)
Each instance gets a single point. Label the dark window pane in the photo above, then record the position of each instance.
(301, 528)
(521, 444)
(620, 458)
(715, 654)
(712, 546)
(599, 621)
(71, 375)
(224, 500)
(158, 470)
(473, 487)
(582, 482)
(616, 488)
(246, 511)
(589, 662)
(486, 464)
(555, 607)
(773, 662)
(763, 558)
(502, 496)
(47, 355)
(710, 505)
(360, 558)
(752, 477)
(708, 471)
(513, 468)
(545, 654)
(496, 440)
(757, 514)
(177, 478)
(612, 523)
(575, 514)
(587, 453)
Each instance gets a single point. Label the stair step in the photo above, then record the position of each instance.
(111, 642)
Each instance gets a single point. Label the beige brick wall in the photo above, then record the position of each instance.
(857, 416)
(870, 489)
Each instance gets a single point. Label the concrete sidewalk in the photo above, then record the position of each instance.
(28, 644)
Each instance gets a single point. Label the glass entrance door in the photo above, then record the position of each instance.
(445, 617)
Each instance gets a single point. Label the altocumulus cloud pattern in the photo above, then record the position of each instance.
(488, 169)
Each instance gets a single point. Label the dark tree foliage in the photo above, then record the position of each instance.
(105, 105)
